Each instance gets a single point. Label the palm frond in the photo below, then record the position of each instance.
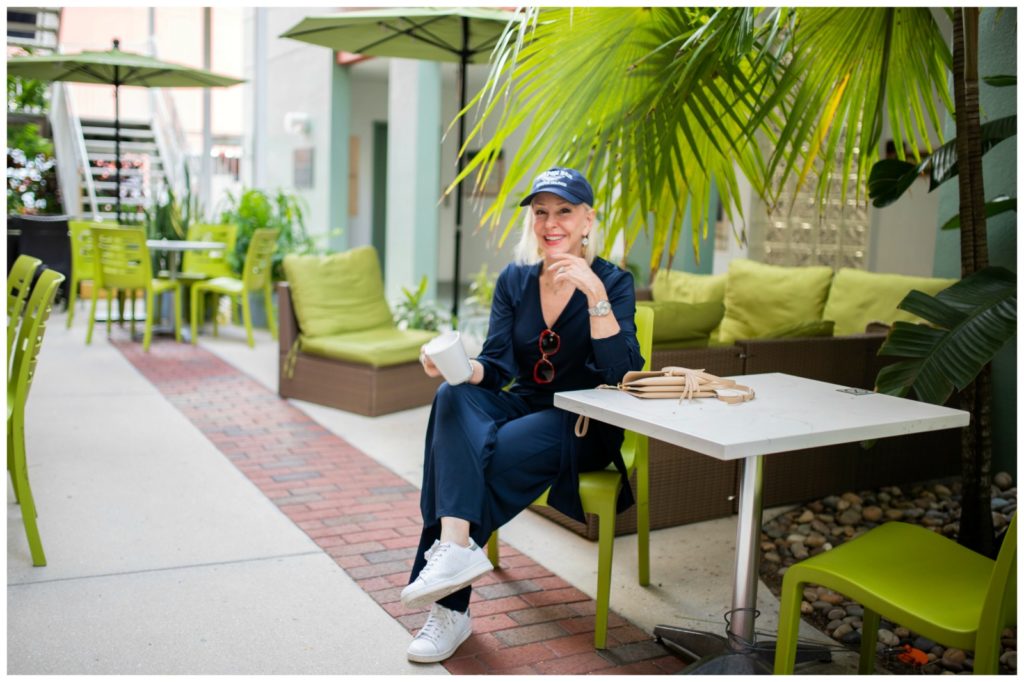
(863, 57)
(650, 103)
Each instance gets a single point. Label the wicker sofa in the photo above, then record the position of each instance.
(338, 345)
(687, 487)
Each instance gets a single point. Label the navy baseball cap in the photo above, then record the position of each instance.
(566, 183)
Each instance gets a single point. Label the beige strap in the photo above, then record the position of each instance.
(582, 424)
(291, 358)
(745, 393)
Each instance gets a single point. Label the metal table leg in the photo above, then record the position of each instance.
(735, 653)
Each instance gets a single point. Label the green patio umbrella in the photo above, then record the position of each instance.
(117, 68)
(463, 35)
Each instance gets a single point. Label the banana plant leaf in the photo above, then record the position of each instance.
(890, 178)
(972, 320)
(1001, 204)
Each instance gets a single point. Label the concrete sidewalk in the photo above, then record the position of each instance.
(164, 558)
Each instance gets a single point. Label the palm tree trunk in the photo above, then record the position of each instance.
(973, 236)
(976, 531)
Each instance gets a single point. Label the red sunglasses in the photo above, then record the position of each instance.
(549, 343)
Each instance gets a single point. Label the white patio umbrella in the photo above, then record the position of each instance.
(117, 68)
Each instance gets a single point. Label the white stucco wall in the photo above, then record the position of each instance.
(299, 79)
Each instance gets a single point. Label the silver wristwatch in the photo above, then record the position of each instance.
(601, 309)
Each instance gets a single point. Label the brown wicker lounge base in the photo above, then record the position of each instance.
(348, 386)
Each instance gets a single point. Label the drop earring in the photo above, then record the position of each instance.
(585, 240)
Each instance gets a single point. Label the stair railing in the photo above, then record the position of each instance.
(171, 142)
(69, 150)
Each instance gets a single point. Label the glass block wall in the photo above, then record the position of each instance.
(802, 236)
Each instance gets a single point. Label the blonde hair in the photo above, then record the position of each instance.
(528, 250)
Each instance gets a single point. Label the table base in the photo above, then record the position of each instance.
(712, 655)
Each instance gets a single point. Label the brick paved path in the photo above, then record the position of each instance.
(526, 620)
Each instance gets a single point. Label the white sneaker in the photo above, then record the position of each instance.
(443, 633)
(450, 567)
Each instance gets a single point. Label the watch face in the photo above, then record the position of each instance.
(602, 308)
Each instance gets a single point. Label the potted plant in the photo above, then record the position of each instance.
(253, 209)
(414, 312)
(476, 318)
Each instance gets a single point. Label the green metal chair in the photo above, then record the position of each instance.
(255, 277)
(19, 281)
(599, 491)
(83, 263)
(896, 570)
(123, 264)
(26, 352)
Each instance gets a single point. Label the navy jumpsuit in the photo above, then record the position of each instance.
(491, 452)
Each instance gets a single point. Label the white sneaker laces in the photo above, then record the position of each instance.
(436, 624)
(434, 554)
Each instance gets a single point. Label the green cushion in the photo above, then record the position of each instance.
(379, 347)
(675, 321)
(674, 285)
(680, 344)
(858, 297)
(338, 293)
(801, 330)
(760, 297)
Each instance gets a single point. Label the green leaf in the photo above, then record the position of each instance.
(932, 309)
(889, 179)
(1003, 81)
(898, 378)
(1001, 204)
(981, 314)
(944, 160)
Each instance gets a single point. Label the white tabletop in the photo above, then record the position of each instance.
(789, 413)
(182, 245)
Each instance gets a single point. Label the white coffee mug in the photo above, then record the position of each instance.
(449, 355)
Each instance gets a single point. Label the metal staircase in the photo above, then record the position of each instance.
(142, 168)
(153, 152)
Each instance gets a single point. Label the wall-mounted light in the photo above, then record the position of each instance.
(297, 123)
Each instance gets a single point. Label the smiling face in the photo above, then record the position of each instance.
(559, 225)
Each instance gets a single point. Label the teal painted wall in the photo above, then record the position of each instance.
(341, 124)
(639, 256)
(997, 55)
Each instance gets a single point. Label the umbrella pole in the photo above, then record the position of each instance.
(117, 145)
(463, 62)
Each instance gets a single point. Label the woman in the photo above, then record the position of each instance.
(561, 319)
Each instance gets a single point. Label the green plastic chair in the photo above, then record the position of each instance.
(26, 352)
(198, 265)
(19, 281)
(123, 264)
(83, 263)
(255, 277)
(599, 491)
(896, 570)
